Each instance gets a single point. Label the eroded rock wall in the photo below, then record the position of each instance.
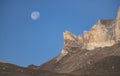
(105, 33)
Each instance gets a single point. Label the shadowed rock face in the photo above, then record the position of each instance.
(95, 53)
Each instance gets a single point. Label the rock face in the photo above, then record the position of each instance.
(83, 50)
(102, 34)
(117, 30)
(106, 32)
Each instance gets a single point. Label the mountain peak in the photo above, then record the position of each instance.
(68, 35)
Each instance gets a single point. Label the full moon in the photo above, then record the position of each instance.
(35, 15)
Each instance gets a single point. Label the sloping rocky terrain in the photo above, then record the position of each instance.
(81, 59)
(98, 62)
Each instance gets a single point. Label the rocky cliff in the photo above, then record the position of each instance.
(106, 32)
(86, 49)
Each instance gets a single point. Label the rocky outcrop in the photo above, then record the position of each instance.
(105, 33)
(86, 49)
(71, 44)
(102, 34)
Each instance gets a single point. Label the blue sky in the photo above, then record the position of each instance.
(24, 41)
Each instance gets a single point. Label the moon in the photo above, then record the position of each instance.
(35, 15)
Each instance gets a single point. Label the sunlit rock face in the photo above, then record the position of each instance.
(70, 41)
(102, 34)
(71, 44)
(117, 30)
(105, 33)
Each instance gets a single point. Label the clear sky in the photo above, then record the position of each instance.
(24, 41)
